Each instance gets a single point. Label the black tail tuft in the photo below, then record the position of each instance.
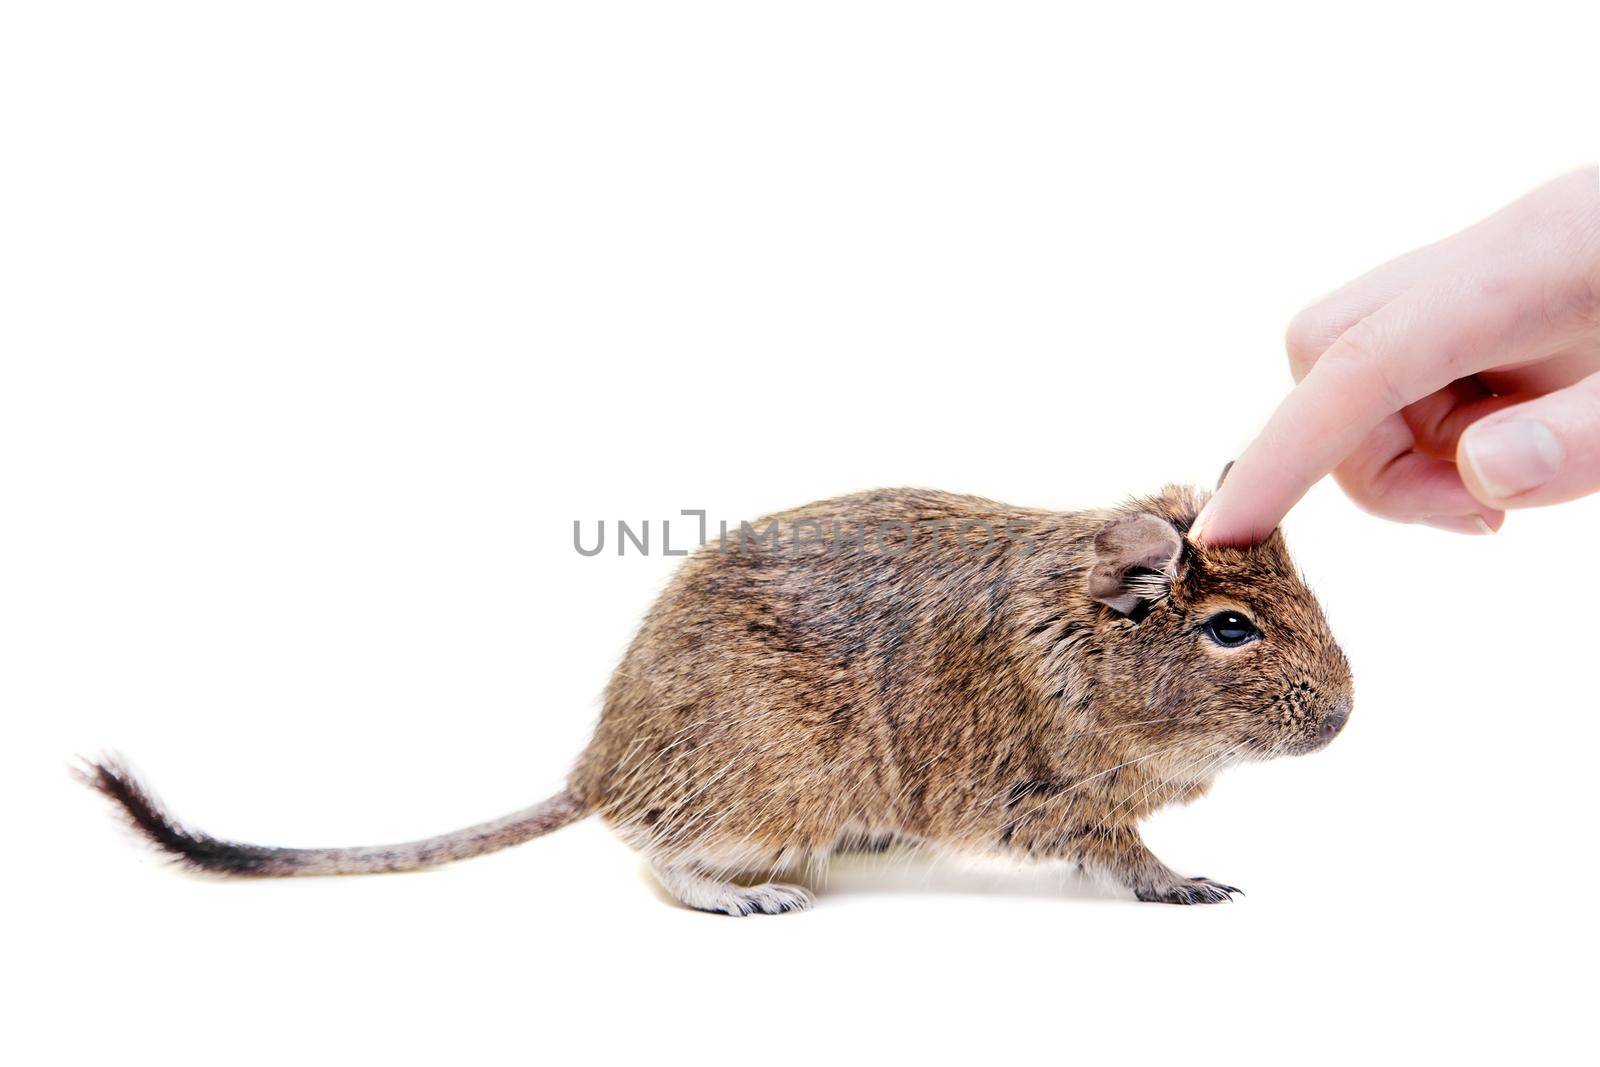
(201, 852)
(111, 777)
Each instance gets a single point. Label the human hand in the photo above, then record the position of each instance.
(1446, 386)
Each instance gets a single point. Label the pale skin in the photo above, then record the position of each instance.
(1445, 387)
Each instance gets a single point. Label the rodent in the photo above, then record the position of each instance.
(1034, 692)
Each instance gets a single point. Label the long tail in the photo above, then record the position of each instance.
(203, 852)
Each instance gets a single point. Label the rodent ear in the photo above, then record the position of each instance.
(1135, 560)
(1226, 467)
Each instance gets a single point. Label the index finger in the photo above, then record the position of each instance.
(1395, 356)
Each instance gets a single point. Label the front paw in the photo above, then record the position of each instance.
(1187, 891)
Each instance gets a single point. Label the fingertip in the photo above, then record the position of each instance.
(1475, 525)
(1216, 527)
(1250, 500)
(1198, 527)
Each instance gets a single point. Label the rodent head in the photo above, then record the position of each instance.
(1228, 642)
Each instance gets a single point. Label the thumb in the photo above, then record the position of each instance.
(1542, 452)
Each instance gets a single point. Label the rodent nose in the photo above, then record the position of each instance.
(1333, 722)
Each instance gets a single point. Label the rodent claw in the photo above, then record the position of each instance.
(1190, 891)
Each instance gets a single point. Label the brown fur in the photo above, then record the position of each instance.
(993, 680)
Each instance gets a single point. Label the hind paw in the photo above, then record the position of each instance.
(769, 898)
(704, 893)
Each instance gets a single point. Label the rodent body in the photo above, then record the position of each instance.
(966, 675)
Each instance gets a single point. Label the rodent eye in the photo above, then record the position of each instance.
(1230, 629)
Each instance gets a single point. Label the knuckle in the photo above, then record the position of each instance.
(1361, 492)
(1574, 298)
(1571, 298)
(1309, 334)
(1360, 353)
(1583, 299)
(1574, 304)
(1372, 495)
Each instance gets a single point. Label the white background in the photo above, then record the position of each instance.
(323, 322)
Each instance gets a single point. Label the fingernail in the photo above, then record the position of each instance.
(1200, 521)
(1511, 458)
(1464, 524)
